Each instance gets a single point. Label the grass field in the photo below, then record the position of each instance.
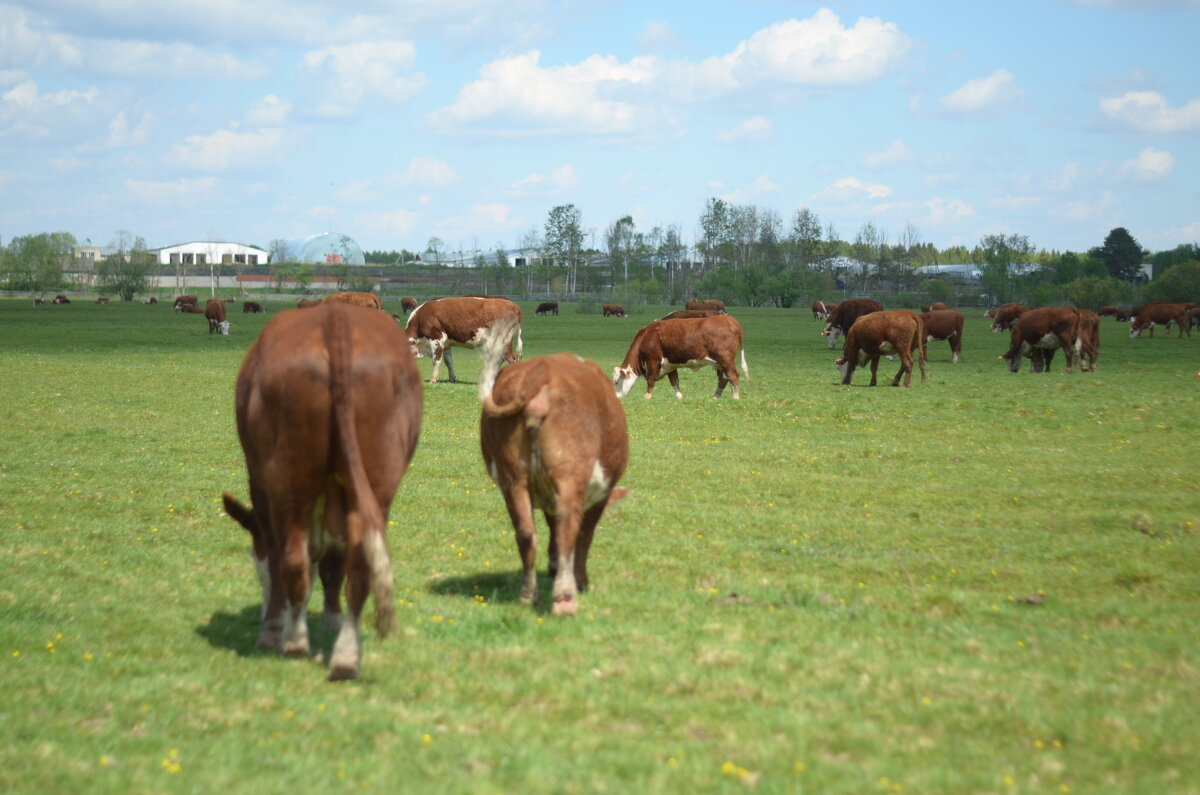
(985, 583)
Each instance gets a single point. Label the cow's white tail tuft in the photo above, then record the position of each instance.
(493, 350)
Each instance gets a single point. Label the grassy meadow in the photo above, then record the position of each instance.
(985, 583)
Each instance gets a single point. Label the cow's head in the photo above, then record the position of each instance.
(420, 346)
(831, 333)
(623, 378)
(223, 327)
(842, 363)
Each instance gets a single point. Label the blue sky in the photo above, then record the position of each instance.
(467, 120)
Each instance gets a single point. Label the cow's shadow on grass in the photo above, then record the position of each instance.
(497, 587)
(238, 631)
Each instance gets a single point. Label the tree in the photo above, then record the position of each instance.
(1000, 253)
(1122, 255)
(1091, 292)
(805, 237)
(435, 246)
(1179, 283)
(36, 262)
(127, 269)
(620, 241)
(714, 226)
(564, 240)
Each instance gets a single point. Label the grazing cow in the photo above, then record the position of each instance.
(307, 303)
(690, 313)
(408, 304)
(1193, 318)
(821, 310)
(152, 300)
(1124, 315)
(102, 300)
(1006, 315)
(61, 299)
(214, 310)
(615, 310)
(944, 324)
(554, 439)
(190, 309)
(1038, 333)
(935, 306)
(899, 332)
(547, 308)
(252, 308)
(438, 326)
(840, 320)
(707, 303)
(366, 300)
(1089, 340)
(328, 413)
(1162, 313)
(38, 301)
(1106, 311)
(183, 300)
(664, 346)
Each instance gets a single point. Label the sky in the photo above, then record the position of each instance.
(397, 121)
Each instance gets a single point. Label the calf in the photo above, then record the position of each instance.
(944, 324)
(152, 300)
(408, 304)
(438, 326)
(183, 300)
(841, 319)
(1038, 333)
(898, 332)
(328, 413)
(554, 439)
(664, 346)
(365, 300)
(547, 308)
(1162, 313)
(252, 308)
(214, 311)
(615, 310)
(1006, 315)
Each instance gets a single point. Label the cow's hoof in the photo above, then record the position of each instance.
(340, 673)
(296, 649)
(565, 607)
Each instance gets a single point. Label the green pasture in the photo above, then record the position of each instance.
(985, 583)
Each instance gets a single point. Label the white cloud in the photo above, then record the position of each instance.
(270, 111)
(1065, 178)
(26, 97)
(344, 79)
(745, 195)
(561, 179)
(422, 172)
(180, 192)
(657, 36)
(896, 152)
(1087, 211)
(25, 112)
(1148, 111)
(849, 188)
(1151, 165)
(947, 210)
(483, 221)
(121, 135)
(996, 90)
(755, 129)
(1013, 203)
(226, 149)
(397, 222)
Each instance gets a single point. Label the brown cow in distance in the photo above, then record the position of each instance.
(328, 413)
(190, 309)
(1161, 313)
(38, 301)
(436, 327)
(840, 320)
(944, 324)
(252, 308)
(408, 304)
(183, 300)
(664, 346)
(547, 308)
(935, 306)
(214, 311)
(1106, 311)
(1038, 333)
(102, 300)
(1006, 315)
(821, 309)
(897, 332)
(689, 313)
(61, 299)
(614, 310)
(307, 303)
(707, 303)
(365, 300)
(554, 439)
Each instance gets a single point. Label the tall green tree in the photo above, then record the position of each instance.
(714, 229)
(805, 237)
(128, 267)
(999, 254)
(1121, 254)
(564, 240)
(1179, 283)
(620, 239)
(36, 262)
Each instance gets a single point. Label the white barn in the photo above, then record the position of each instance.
(210, 252)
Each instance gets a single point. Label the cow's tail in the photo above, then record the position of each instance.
(364, 521)
(494, 349)
(742, 353)
(535, 409)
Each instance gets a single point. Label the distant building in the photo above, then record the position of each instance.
(326, 248)
(209, 252)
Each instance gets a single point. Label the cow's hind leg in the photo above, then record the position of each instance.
(874, 370)
(568, 520)
(906, 365)
(520, 511)
(583, 544)
(295, 579)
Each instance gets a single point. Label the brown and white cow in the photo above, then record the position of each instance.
(1106, 311)
(408, 304)
(1006, 315)
(437, 326)
(708, 303)
(61, 299)
(821, 309)
(944, 324)
(1038, 333)
(664, 346)
(328, 413)
(547, 308)
(689, 313)
(365, 300)
(190, 309)
(554, 439)
(1089, 340)
(614, 310)
(1161, 313)
(38, 301)
(214, 311)
(840, 320)
(102, 300)
(898, 332)
(252, 308)
(183, 300)
(935, 306)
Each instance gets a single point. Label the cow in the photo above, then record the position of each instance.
(190, 309)
(38, 301)
(707, 303)
(840, 320)
(408, 304)
(152, 300)
(944, 324)
(1006, 315)
(365, 300)
(822, 309)
(102, 300)
(1193, 318)
(183, 300)
(307, 303)
(935, 306)
(436, 327)
(1124, 315)
(251, 308)
(1162, 313)
(554, 439)
(614, 310)
(61, 299)
(214, 311)
(1106, 311)
(898, 332)
(689, 313)
(547, 308)
(328, 413)
(663, 346)
(1038, 333)
(1089, 340)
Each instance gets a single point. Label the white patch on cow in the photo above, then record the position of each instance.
(493, 472)
(690, 364)
(887, 348)
(1048, 341)
(224, 327)
(598, 486)
(832, 335)
(262, 567)
(623, 380)
(842, 365)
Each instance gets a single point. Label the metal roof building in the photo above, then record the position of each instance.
(326, 248)
(209, 252)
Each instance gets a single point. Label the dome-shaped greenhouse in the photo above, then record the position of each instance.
(326, 248)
